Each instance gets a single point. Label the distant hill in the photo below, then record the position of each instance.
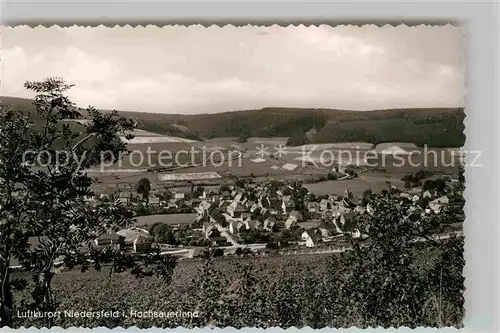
(436, 127)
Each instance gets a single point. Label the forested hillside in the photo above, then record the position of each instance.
(436, 127)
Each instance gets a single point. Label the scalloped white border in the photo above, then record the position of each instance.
(482, 255)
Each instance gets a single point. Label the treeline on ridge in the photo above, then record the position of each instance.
(438, 127)
(434, 127)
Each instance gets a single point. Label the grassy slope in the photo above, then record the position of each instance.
(436, 127)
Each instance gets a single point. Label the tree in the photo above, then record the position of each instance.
(272, 245)
(384, 264)
(44, 194)
(331, 176)
(218, 252)
(243, 138)
(366, 196)
(240, 183)
(143, 188)
(298, 194)
(198, 192)
(298, 138)
(461, 177)
(166, 195)
(217, 215)
(170, 238)
(436, 185)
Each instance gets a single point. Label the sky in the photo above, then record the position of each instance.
(195, 69)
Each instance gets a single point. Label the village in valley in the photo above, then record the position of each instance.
(273, 217)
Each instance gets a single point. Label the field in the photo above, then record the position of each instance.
(188, 176)
(170, 219)
(356, 185)
(175, 163)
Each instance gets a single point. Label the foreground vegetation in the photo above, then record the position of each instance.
(310, 290)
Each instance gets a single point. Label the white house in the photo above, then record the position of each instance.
(234, 226)
(310, 238)
(154, 200)
(179, 196)
(369, 209)
(304, 235)
(269, 223)
(292, 220)
(296, 215)
(436, 204)
(287, 204)
(326, 205)
(204, 207)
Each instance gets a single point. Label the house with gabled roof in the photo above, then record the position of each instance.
(238, 197)
(369, 209)
(341, 210)
(356, 234)
(296, 215)
(110, 238)
(209, 229)
(235, 226)
(325, 229)
(251, 224)
(293, 218)
(265, 213)
(427, 194)
(290, 222)
(326, 205)
(313, 207)
(154, 200)
(328, 215)
(269, 223)
(179, 196)
(438, 203)
(287, 204)
(348, 203)
(311, 238)
(333, 197)
(142, 243)
(123, 200)
(254, 207)
(235, 209)
(204, 207)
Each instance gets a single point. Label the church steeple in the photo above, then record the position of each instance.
(347, 193)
